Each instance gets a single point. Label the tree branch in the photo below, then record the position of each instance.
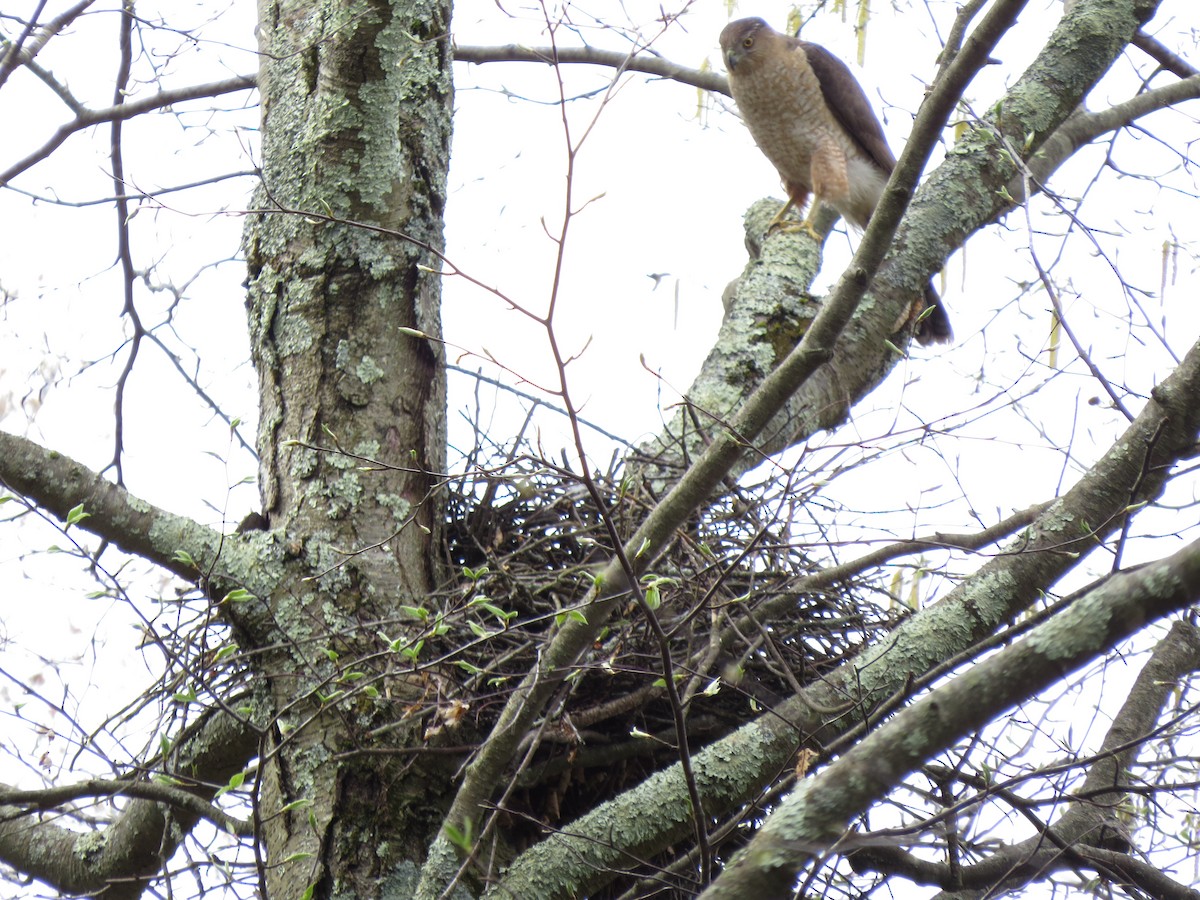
(1083, 126)
(615, 59)
(810, 822)
(23, 51)
(48, 798)
(121, 112)
(121, 859)
(58, 484)
(780, 605)
(1089, 824)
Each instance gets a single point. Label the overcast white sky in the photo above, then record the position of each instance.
(672, 172)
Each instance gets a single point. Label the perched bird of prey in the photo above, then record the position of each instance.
(808, 114)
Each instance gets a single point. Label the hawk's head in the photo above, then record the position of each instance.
(741, 39)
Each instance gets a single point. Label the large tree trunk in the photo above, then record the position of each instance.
(356, 103)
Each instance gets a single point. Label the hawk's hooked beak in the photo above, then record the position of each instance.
(733, 56)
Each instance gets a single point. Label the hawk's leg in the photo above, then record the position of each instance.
(796, 199)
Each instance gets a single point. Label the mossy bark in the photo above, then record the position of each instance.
(356, 101)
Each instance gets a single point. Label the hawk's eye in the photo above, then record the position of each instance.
(748, 42)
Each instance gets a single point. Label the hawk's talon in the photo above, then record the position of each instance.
(791, 226)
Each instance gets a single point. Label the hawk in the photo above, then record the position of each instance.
(809, 115)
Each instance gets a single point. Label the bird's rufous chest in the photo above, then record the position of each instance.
(784, 109)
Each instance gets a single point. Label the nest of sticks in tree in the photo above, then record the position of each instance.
(526, 541)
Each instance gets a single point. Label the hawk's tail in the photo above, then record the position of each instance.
(933, 326)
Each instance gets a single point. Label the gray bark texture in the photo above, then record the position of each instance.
(356, 102)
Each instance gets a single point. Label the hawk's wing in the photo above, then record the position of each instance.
(850, 107)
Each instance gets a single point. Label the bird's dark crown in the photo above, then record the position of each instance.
(740, 30)
(738, 40)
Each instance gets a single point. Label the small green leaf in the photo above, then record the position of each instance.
(478, 630)
(182, 556)
(653, 598)
(235, 782)
(462, 839)
(570, 615)
(485, 603)
(642, 547)
(77, 515)
(237, 595)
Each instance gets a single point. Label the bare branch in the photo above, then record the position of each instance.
(134, 847)
(49, 798)
(1171, 62)
(812, 820)
(125, 111)
(825, 577)
(1088, 825)
(592, 56)
(1084, 126)
(58, 484)
(24, 51)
